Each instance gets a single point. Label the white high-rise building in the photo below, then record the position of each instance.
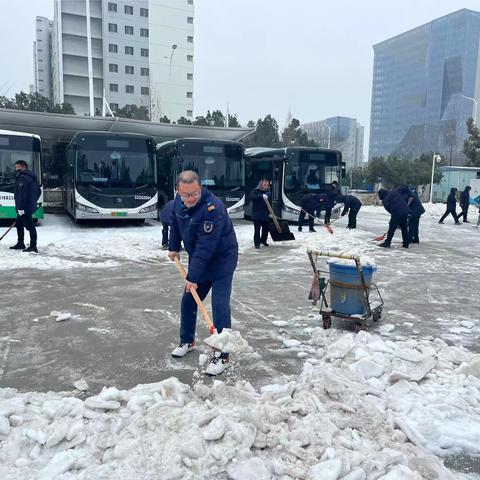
(340, 133)
(133, 52)
(42, 57)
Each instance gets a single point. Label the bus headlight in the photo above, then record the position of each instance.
(150, 208)
(291, 210)
(235, 210)
(84, 208)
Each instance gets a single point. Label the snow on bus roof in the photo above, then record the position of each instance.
(18, 134)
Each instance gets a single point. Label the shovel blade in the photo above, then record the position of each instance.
(282, 236)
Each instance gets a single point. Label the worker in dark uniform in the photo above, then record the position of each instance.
(310, 204)
(260, 213)
(332, 193)
(415, 211)
(465, 203)
(201, 221)
(396, 205)
(166, 215)
(451, 207)
(352, 206)
(27, 192)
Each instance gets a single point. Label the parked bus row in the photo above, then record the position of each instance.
(128, 176)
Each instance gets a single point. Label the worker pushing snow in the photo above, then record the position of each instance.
(201, 221)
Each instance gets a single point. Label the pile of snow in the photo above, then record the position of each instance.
(363, 407)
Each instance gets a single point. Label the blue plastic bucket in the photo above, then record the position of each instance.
(346, 294)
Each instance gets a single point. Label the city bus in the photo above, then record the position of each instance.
(16, 146)
(220, 165)
(294, 172)
(110, 176)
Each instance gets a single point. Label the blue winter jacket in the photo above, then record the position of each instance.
(393, 202)
(208, 236)
(465, 197)
(415, 208)
(313, 201)
(452, 200)
(166, 213)
(27, 191)
(350, 202)
(259, 208)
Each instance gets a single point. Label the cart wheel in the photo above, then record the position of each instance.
(326, 321)
(358, 327)
(376, 316)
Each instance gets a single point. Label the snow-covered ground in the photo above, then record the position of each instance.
(392, 402)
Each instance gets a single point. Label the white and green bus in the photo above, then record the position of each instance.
(15, 146)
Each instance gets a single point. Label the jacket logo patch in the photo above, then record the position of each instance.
(211, 207)
(208, 226)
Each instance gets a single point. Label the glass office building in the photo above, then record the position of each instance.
(421, 79)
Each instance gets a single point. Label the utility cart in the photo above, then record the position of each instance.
(346, 291)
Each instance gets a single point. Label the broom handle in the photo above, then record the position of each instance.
(13, 224)
(274, 218)
(201, 306)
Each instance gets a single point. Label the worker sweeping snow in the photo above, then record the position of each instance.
(201, 221)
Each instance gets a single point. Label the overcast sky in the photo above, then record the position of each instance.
(313, 57)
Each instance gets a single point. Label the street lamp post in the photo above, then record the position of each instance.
(438, 159)
(475, 105)
(329, 132)
(174, 47)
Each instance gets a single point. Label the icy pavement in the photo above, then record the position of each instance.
(304, 403)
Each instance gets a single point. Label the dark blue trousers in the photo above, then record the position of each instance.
(221, 290)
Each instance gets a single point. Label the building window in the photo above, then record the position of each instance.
(128, 10)
(144, 32)
(144, 52)
(114, 87)
(145, 91)
(189, 19)
(129, 70)
(128, 50)
(112, 27)
(189, 58)
(190, 39)
(112, 48)
(128, 30)
(129, 89)
(113, 107)
(112, 7)
(189, 94)
(189, 76)
(190, 2)
(113, 67)
(144, 12)
(144, 72)
(189, 113)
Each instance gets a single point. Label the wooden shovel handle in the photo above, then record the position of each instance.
(201, 306)
(274, 218)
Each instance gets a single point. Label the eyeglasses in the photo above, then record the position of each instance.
(186, 196)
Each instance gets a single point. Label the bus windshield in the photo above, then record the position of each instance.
(219, 166)
(114, 162)
(306, 170)
(13, 149)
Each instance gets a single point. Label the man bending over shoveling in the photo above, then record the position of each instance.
(201, 221)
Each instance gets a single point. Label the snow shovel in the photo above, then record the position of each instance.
(279, 231)
(201, 306)
(328, 226)
(13, 224)
(380, 238)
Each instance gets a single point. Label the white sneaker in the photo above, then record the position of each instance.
(183, 349)
(217, 364)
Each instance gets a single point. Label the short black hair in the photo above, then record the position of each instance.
(334, 182)
(23, 163)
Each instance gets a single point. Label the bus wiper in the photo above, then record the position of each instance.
(235, 189)
(141, 186)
